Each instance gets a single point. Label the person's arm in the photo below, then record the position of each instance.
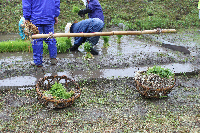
(26, 5)
(84, 11)
(57, 8)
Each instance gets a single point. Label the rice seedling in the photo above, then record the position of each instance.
(58, 91)
(19, 45)
(87, 47)
(15, 46)
(162, 72)
(45, 48)
(63, 43)
(106, 39)
(119, 38)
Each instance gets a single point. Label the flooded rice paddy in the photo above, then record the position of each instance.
(119, 60)
(109, 101)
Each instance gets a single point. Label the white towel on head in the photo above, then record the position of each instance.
(85, 2)
(67, 28)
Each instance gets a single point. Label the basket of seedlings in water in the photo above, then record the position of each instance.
(54, 94)
(156, 82)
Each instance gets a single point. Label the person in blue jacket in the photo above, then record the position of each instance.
(86, 26)
(93, 8)
(43, 14)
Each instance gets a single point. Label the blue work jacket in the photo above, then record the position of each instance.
(96, 10)
(86, 26)
(41, 11)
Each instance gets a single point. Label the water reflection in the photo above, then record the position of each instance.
(128, 45)
(79, 74)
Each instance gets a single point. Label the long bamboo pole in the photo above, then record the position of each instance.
(35, 36)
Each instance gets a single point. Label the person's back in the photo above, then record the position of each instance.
(41, 11)
(86, 26)
(96, 9)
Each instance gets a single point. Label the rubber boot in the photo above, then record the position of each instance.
(93, 51)
(73, 48)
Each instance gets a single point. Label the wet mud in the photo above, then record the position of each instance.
(109, 99)
(176, 48)
(106, 104)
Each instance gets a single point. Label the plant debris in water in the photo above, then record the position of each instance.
(58, 91)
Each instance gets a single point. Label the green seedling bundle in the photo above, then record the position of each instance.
(106, 39)
(87, 47)
(119, 38)
(15, 46)
(19, 45)
(63, 43)
(58, 92)
(162, 72)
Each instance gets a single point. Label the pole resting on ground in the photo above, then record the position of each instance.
(157, 31)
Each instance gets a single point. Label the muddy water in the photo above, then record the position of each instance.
(6, 37)
(128, 47)
(79, 74)
(188, 40)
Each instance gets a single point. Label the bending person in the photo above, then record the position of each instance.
(86, 26)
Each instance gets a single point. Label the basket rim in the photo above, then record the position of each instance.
(151, 88)
(50, 99)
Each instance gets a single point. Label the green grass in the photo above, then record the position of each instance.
(63, 43)
(137, 15)
(75, 9)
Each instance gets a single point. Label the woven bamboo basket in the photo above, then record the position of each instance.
(46, 84)
(150, 92)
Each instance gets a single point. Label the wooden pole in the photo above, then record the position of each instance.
(104, 33)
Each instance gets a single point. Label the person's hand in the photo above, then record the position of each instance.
(26, 21)
(81, 13)
(56, 20)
